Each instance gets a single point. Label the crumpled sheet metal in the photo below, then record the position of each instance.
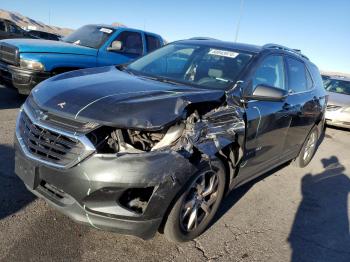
(218, 129)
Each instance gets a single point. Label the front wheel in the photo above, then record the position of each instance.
(308, 150)
(197, 205)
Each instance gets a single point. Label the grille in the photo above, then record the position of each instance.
(48, 145)
(333, 107)
(9, 54)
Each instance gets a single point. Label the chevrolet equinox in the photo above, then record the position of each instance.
(155, 145)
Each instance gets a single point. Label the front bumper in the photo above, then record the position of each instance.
(22, 79)
(90, 192)
(338, 118)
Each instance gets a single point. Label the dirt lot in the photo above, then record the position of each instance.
(287, 215)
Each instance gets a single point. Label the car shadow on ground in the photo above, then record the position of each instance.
(13, 194)
(9, 98)
(339, 128)
(320, 231)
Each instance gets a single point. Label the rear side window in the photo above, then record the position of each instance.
(52, 37)
(299, 79)
(152, 43)
(309, 82)
(2, 26)
(316, 76)
(270, 72)
(131, 42)
(14, 29)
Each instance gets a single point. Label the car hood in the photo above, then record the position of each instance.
(110, 97)
(49, 46)
(338, 99)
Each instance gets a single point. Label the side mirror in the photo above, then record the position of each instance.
(268, 93)
(116, 46)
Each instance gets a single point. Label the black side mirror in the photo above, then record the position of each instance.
(267, 93)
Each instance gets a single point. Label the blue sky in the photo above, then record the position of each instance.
(321, 29)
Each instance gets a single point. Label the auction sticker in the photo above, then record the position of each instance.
(106, 30)
(224, 53)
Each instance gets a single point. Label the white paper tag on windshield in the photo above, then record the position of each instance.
(106, 30)
(224, 53)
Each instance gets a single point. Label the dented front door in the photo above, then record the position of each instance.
(267, 121)
(267, 127)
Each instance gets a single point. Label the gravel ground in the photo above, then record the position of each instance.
(290, 214)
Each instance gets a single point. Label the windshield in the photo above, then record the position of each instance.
(90, 36)
(198, 65)
(338, 86)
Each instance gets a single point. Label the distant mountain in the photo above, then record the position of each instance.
(335, 73)
(24, 22)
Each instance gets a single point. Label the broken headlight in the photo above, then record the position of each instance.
(111, 140)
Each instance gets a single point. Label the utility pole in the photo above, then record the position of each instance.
(239, 19)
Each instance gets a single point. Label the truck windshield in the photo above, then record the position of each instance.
(204, 66)
(89, 36)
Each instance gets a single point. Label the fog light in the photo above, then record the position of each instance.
(136, 199)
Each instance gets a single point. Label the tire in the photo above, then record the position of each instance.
(179, 227)
(308, 149)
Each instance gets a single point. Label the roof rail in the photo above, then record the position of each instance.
(202, 38)
(281, 47)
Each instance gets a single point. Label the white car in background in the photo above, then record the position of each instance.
(338, 108)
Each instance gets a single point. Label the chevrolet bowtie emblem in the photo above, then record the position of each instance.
(61, 105)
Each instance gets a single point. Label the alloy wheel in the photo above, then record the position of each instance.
(310, 147)
(200, 198)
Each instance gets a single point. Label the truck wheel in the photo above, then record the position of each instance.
(197, 205)
(308, 150)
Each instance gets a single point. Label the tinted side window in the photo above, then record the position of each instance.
(309, 82)
(270, 72)
(152, 43)
(2, 26)
(316, 76)
(131, 42)
(52, 37)
(297, 80)
(14, 29)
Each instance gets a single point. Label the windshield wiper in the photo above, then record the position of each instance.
(123, 67)
(163, 80)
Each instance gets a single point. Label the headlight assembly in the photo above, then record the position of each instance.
(170, 137)
(111, 140)
(32, 65)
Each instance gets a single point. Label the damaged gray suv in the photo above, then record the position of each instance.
(155, 145)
